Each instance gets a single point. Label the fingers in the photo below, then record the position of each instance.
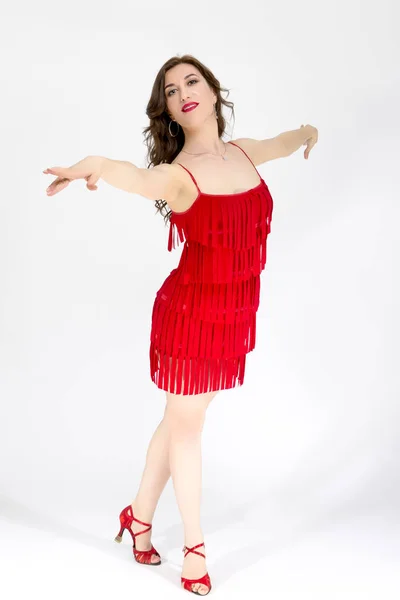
(54, 170)
(308, 149)
(57, 186)
(67, 174)
(60, 171)
(91, 181)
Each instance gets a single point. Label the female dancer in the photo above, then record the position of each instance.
(204, 314)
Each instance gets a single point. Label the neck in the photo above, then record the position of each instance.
(202, 140)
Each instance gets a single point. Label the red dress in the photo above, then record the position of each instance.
(204, 314)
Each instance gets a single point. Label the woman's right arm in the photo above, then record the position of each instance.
(163, 181)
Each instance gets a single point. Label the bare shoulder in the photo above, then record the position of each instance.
(261, 151)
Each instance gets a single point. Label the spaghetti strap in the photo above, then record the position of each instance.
(194, 181)
(233, 144)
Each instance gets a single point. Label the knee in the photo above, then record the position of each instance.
(186, 423)
(184, 417)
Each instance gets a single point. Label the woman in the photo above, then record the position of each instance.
(203, 320)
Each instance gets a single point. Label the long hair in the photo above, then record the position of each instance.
(161, 146)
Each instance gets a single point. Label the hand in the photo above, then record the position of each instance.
(311, 140)
(89, 168)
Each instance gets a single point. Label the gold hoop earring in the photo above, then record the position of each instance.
(169, 128)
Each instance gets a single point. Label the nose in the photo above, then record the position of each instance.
(184, 97)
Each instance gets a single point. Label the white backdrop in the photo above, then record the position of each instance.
(300, 465)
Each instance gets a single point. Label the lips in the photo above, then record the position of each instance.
(189, 106)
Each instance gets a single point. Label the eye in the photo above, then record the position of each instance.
(173, 89)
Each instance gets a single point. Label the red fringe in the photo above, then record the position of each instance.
(234, 221)
(204, 314)
(194, 375)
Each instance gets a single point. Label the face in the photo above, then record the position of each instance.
(183, 84)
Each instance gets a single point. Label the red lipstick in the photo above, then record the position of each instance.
(189, 106)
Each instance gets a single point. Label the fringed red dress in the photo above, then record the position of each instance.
(204, 314)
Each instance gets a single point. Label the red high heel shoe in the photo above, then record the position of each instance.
(205, 580)
(141, 556)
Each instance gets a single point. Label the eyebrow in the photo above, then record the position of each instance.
(186, 76)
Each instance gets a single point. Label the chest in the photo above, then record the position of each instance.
(222, 179)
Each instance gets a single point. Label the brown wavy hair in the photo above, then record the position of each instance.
(161, 146)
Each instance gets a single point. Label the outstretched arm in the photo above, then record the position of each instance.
(162, 181)
(284, 144)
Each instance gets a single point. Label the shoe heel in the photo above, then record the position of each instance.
(118, 538)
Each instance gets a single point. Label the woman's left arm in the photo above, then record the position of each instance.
(284, 144)
(307, 135)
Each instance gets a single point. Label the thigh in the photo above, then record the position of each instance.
(189, 402)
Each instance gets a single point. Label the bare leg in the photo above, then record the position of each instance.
(185, 416)
(154, 478)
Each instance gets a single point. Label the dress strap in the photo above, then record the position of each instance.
(194, 181)
(233, 144)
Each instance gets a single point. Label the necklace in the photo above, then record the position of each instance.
(200, 153)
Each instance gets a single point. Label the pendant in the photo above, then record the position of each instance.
(224, 158)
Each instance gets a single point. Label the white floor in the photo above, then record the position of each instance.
(251, 552)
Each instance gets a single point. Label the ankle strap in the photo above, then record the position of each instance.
(185, 548)
(149, 525)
